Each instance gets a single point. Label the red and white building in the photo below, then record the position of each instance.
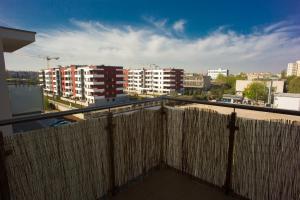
(93, 84)
(154, 81)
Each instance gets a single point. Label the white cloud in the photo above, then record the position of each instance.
(266, 49)
(179, 25)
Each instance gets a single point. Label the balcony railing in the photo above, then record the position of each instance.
(255, 159)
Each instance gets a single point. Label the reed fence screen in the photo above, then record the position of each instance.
(267, 159)
(197, 143)
(67, 162)
(137, 144)
(75, 161)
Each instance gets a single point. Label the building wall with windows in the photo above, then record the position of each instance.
(293, 69)
(214, 73)
(93, 84)
(155, 81)
(194, 80)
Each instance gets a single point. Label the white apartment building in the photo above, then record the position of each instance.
(154, 81)
(52, 81)
(93, 84)
(213, 73)
(293, 69)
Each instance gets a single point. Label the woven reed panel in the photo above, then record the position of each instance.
(137, 144)
(267, 160)
(173, 138)
(67, 162)
(197, 142)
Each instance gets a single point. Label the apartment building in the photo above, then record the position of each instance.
(194, 81)
(293, 69)
(214, 73)
(154, 81)
(259, 75)
(93, 84)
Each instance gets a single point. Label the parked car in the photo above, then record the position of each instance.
(60, 123)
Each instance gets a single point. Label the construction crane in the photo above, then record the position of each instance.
(48, 58)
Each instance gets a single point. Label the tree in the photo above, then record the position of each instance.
(256, 91)
(283, 73)
(294, 85)
(228, 82)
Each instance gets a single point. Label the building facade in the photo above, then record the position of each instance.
(241, 85)
(214, 73)
(93, 84)
(196, 81)
(154, 81)
(259, 75)
(287, 101)
(293, 69)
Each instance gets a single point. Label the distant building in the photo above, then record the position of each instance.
(213, 73)
(287, 101)
(125, 78)
(23, 74)
(241, 85)
(156, 81)
(194, 81)
(293, 69)
(259, 75)
(93, 84)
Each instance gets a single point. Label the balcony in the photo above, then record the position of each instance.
(155, 153)
(94, 75)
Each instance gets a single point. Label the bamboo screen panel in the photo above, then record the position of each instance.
(67, 162)
(267, 160)
(197, 142)
(173, 138)
(137, 144)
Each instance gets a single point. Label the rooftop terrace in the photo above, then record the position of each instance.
(165, 153)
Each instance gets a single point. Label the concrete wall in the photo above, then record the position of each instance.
(5, 109)
(241, 85)
(73, 101)
(63, 107)
(289, 103)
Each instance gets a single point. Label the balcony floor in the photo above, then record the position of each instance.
(169, 184)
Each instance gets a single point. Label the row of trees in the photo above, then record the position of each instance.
(293, 84)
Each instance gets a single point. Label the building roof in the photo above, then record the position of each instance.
(292, 95)
(14, 39)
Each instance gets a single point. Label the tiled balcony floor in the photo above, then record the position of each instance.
(169, 184)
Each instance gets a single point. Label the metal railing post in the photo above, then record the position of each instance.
(110, 137)
(232, 128)
(4, 186)
(162, 140)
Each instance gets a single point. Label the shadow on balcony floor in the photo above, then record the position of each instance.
(169, 184)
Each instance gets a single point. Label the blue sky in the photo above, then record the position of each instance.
(210, 27)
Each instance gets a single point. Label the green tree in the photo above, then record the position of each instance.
(256, 91)
(228, 83)
(283, 73)
(294, 85)
(241, 76)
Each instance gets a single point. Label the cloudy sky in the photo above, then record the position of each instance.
(195, 36)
